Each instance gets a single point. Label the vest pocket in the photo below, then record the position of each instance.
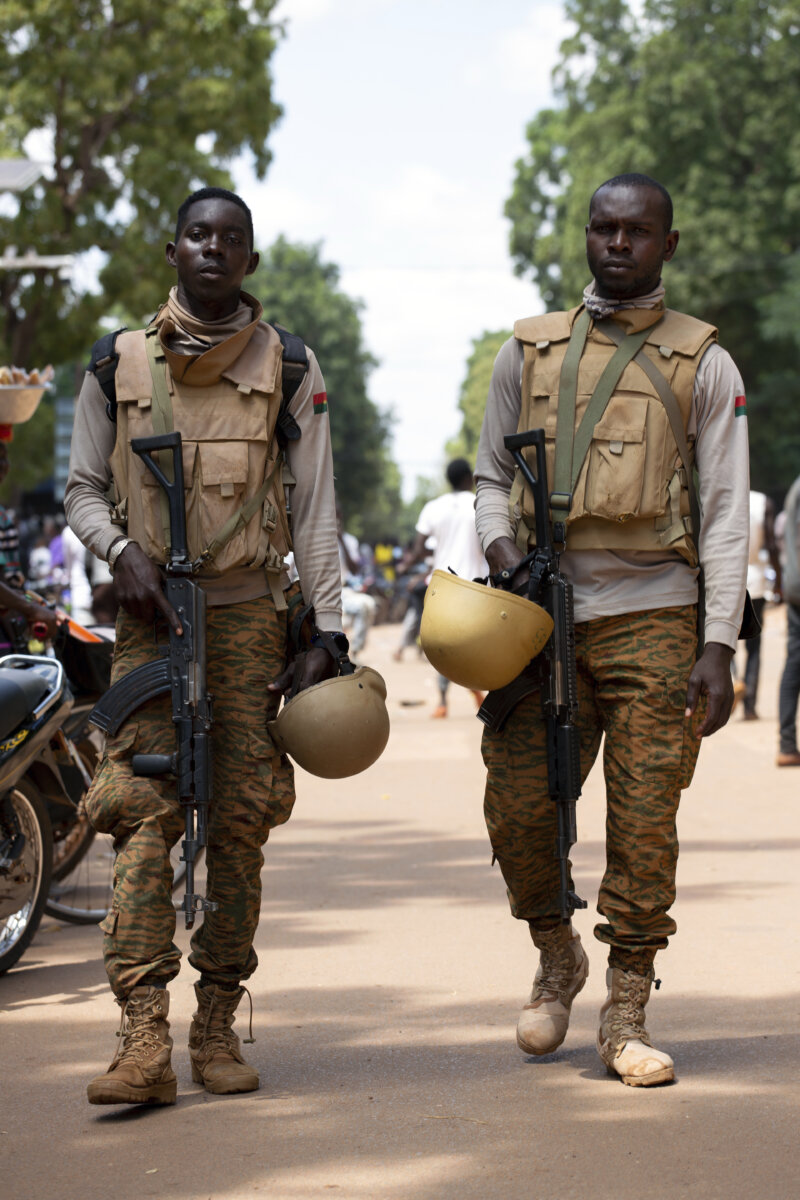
(616, 459)
(223, 476)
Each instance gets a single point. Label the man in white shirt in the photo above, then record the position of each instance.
(447, 526)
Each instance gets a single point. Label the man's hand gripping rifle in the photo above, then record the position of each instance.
(557, 671)
(180, 670)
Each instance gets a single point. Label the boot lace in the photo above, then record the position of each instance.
(556, 965)
(627, 1021)
(137, 1029)
(217, 1030)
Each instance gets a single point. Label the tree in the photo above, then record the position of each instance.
(142, 104)
(301, 292)
(474, 389)
(719, 129)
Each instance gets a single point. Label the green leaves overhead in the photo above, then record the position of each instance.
(301, 292)
(474, 389)
(704, 97)
(139, 104)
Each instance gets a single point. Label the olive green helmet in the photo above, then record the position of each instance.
(335, 728)
(478, 636)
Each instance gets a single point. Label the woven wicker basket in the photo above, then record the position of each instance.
(18, 402)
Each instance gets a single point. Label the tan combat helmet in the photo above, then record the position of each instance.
(335, 728)
(478, 636)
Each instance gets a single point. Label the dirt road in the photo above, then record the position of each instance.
(389, 983)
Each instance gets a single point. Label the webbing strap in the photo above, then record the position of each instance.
(239, 519)
(561, 496)
(667, 398)
(672, 409)
(161, 414)
(572, 445)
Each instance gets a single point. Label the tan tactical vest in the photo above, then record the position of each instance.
(229, 452)
(631, 490)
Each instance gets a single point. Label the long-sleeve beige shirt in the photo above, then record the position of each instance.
(608, 583)
(313, 502)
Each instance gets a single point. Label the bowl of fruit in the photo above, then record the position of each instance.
(20, 393)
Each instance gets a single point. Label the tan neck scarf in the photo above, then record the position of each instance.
(199, 351)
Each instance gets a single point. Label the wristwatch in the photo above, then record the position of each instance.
(116, 549)
(339, 640)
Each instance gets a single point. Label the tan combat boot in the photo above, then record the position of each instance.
(563, 970)
(141, 1072)
(623, 1043)
(214, 1048)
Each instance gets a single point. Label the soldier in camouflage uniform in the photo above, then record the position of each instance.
(223, 369)
(632, 552)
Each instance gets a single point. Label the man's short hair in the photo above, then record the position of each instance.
(457, 472)
(640, 181)
(212, 193)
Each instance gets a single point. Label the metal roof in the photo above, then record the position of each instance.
(16, 174)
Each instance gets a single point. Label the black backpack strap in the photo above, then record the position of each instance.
(103, 365)
(295, 369)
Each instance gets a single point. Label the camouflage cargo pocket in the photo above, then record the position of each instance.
(107, 788)
(690, 743)
(276, 775)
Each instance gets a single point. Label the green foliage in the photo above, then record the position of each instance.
(302, 293)
(144, 103)
(472, 397)
(705, 99)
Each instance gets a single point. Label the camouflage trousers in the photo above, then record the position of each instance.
(632, 676)
(253, 790)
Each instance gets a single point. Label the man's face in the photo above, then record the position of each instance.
(626, 241)
(212, 257)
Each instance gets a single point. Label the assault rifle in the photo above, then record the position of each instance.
(553, 672)
(181, 670)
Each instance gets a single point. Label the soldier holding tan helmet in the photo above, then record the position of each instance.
(622, 495)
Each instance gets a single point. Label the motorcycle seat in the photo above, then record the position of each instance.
(20, 692)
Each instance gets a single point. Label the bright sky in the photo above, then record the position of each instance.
(403, 121)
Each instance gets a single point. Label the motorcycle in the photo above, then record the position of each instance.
(34, 703)
(78, 868)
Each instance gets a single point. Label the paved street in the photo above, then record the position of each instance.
(388, 989)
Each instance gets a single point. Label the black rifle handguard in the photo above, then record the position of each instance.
(557, 670)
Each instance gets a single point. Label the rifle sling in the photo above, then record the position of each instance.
(667, 398)
(572, 445)
(161, 414)
(240, 518)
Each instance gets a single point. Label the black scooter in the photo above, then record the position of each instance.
(35, 701)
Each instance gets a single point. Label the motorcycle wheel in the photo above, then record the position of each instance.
(71, 844)
(18, 928)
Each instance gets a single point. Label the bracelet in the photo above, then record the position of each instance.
(116, 549)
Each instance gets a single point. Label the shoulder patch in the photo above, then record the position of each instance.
(320, 403)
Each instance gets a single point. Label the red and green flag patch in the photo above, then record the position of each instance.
(740, 407)
(320, 403)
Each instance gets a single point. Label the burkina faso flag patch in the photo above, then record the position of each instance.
(320, 403)
(740, 407)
